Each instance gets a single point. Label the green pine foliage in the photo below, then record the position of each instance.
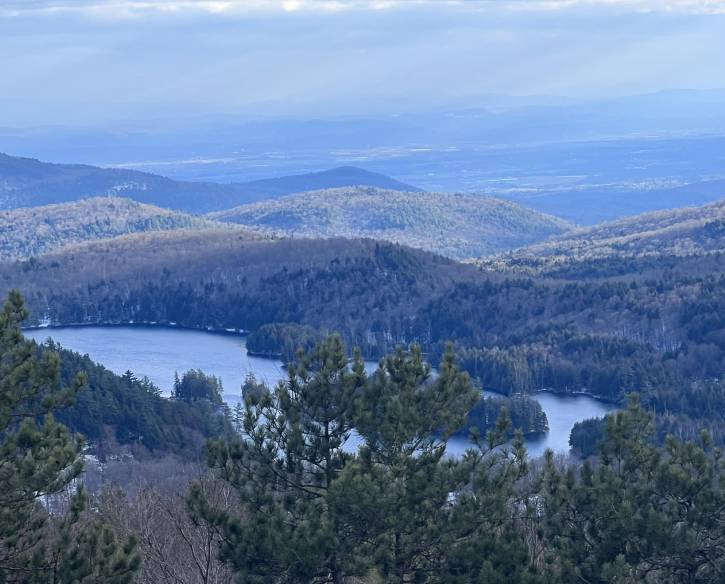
(195, 385)
(405, 417)
(40, 458)
(643, 513)
(321, 502)
(122, 412)
(283, 472)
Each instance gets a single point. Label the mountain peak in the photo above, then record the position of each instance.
(27, 182)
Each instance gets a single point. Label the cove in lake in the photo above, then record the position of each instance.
(159, 352)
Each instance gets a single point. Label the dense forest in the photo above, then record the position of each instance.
(286, 498)
(456, 225)
(120, 413)
(223, 280)
(33, 231)
(362, 292)
(684, 232)
(647, 324)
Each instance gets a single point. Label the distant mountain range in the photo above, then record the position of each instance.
(27, 182)
(679, 232)
(33, 231)
(455, 225)
(204, 144)
(50, 206)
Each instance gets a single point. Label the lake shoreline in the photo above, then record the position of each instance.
(580, 393)
(152, 325)
(158, 350)
(557, 393)
(278, 356)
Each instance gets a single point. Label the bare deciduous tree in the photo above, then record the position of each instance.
(176, 549)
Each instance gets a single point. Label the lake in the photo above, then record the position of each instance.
(158, 352)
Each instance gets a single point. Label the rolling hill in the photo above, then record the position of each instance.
(27, 182)
(679, 232)
(455, 225)
(223, 279)
(641, 329)
(609, 326)
(33, 231)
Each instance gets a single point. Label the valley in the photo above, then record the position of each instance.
(362, 292)
(513, 338)
(320, 331)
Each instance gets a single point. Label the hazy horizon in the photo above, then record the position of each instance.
(80, 62)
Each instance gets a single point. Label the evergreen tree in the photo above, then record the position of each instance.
(397, 493)
(38, 459)
(251, 388)
(129, 377)
(394, 511)
(238, 418)
(643, 513)
(486, 539)
(147, 385)
(289, 455)
(196, 385)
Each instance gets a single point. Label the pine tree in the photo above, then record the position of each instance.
(177, 386)
(642, 513)
(195, 385)
(341, 476)
(38, 459)
(238, 418)
(129, 377)
(397, 491)
(486, 540)
(283, 467)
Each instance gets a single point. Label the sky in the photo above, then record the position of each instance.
(95, 61)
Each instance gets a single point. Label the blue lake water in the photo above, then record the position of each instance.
(159, 352)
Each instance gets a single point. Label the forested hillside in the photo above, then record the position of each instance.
(455, 225)
(651, 324)
(679, 232)
(26, 182)
(224, 279)
(32, 231)
(120, 413)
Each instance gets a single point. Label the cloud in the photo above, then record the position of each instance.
(139, 8)
(136, 58)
